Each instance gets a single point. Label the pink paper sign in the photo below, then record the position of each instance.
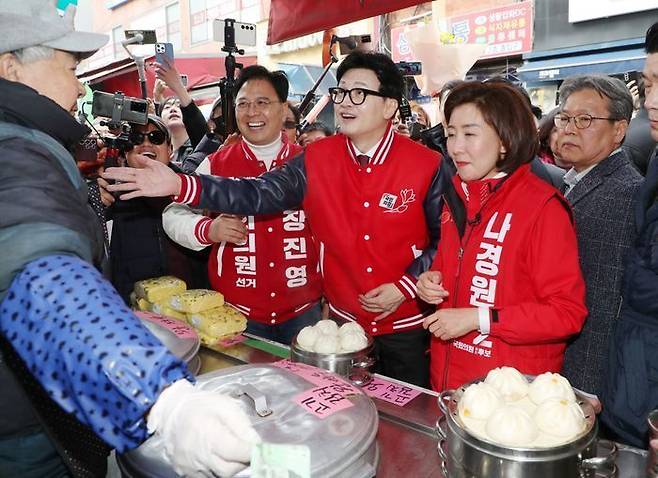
(325, 400)
(238, 339)
(316, 376)
(390, 392)
(180, 329)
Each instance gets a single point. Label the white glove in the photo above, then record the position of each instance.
(205, 434)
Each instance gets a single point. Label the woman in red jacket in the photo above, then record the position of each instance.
(506, 278)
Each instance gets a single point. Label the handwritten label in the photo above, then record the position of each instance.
(390, 392)
(238, 339)
(326, 400)
(180, 329)
(316, 376)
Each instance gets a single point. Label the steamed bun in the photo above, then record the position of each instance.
(353, 341)
(350, 327)
(509, 382)
(306, 337)
(561, 418)
(327, 344)
(479, 401)
(328, 327)
(512, 426)
(550, 385)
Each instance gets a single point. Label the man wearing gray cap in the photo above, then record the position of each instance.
(79, 374)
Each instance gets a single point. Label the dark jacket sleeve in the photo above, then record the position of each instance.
(432, 205)
(272, 192)
(195, 123)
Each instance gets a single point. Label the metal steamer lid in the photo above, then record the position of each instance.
(183, 348)
(591, 429)
(338, 442)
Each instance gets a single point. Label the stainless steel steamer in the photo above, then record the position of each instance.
(351, 365)
(465, 455)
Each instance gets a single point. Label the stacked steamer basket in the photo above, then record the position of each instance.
(505, 426)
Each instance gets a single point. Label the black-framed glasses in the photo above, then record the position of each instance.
(156, 137)
(357, 95)
(581, 121)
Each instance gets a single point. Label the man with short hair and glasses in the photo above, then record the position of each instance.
(267, 268)
(592, 121)
(373, 202)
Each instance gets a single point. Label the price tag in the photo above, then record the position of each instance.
(316, 376)
(270, 460)
(390, 392)
(180, 329)
(326, 400)
(238, 339)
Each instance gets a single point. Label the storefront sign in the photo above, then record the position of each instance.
(505, 30)
(400, 47)
(580, 11)
(390, 392)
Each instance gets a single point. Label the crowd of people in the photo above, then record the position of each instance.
(496, 237)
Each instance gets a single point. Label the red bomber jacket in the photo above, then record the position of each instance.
(518, 257)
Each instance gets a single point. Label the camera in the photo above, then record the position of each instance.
(410, 68)
(120, 111)
(119, 108)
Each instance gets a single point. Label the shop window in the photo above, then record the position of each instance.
(117, 38)
(172, 13)
(198, 21)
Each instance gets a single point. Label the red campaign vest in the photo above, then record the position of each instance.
(369, 223)
(498, 271)
(274, 276)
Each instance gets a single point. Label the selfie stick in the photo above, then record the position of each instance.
(139, 61)
(311, 93)
(227, 84)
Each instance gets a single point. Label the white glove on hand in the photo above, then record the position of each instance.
(205, 434)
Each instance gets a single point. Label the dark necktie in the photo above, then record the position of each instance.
(363, 160)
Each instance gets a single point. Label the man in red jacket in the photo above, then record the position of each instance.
(266, 267)
(373, 201)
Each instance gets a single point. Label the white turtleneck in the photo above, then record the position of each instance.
(267, 152)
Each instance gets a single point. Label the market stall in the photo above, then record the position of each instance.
(405, 417)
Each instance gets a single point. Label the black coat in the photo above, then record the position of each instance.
(140, 249)
(631, 389)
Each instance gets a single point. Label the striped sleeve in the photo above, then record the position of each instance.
(190, 192)
(407, 285)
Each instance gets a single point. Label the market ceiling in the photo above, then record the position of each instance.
(301, 17)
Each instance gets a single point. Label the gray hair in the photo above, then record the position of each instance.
(33, 53)
(620, 101)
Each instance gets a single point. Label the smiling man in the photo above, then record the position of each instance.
(266, 268)
(372, 198)
(592, 122)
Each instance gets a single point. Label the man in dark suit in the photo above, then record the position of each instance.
(631, 386)
(592, 123)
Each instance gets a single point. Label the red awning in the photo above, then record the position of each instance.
(292, 19)
(122, 74)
